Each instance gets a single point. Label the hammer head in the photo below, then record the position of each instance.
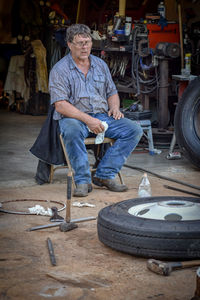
(159, 267)
(67, 226)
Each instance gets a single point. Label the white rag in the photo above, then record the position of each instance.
(81, 204)
(100, 136)
(40, 210)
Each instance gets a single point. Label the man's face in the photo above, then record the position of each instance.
(80, 47)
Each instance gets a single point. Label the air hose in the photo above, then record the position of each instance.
(163, 177)
(147, 83)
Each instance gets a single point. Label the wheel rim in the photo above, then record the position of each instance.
(170, 210)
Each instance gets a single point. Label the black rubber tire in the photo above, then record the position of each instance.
(187, 122)
(148, 237)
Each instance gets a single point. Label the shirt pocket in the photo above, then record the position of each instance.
(99, 83)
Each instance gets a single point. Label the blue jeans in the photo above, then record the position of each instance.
(127, 134)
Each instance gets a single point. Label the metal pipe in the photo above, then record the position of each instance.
(78, 11)
(163, 94)
(58, 223)
(181, 35)
(122, 8)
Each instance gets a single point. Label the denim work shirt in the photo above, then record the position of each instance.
(88, 94)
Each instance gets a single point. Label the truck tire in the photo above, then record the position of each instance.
(187, 122)
(152, 238)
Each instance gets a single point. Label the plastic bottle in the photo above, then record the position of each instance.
(161, 9)
(188, 63)
(144, 189)
(128, 24)
(117, 22)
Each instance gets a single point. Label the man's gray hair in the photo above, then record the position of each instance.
(77, 29)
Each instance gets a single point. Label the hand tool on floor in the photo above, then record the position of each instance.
(51, 252)
(165, 268)
(55, 217)
(69, 223)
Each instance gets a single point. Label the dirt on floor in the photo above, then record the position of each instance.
(86, 269)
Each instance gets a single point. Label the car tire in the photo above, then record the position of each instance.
(138, 236)
(187, 122)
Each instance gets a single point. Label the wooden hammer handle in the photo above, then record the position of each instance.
(190, 263)
(69, 194)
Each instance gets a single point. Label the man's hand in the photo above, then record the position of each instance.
(116, 113)
(114, 104)
(67, 109)
(95, 125)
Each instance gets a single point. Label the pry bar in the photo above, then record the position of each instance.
(51, 252)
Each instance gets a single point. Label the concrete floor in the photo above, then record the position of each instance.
(18, 166)
(86, 269)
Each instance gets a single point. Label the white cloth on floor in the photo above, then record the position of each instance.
(40, 210)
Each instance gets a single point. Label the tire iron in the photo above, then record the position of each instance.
(51, 252)
(180, 190)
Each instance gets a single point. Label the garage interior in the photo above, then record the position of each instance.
(86, 268)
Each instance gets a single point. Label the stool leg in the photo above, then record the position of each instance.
(51, 174)
(67, 160)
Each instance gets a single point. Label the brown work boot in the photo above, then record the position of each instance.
(111, 184)
(82, 190)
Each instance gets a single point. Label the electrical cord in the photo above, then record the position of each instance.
(141, 84)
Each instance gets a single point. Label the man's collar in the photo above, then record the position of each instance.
(72, 63)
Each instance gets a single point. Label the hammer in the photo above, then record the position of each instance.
(68, 225)
(165, 268)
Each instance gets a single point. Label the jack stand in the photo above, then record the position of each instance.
(69, 223)
(171, 154)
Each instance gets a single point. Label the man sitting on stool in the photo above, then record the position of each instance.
(84, 95)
